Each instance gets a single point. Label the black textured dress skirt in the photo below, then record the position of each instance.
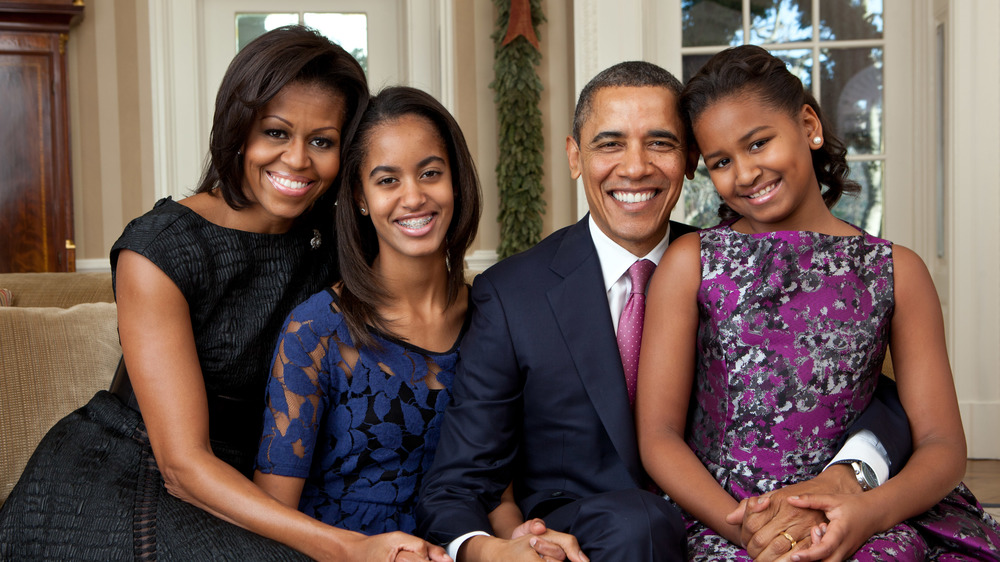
(92, 491)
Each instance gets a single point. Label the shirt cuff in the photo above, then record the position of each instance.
(865, 447)
(453, 546)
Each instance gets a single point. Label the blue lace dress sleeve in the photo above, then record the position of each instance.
(299, 390)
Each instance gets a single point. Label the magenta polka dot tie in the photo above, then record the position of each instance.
(630, 323)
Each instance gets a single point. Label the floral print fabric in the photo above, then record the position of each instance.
(792, 334)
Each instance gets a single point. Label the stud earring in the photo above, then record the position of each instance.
(817, 140)
(363, 211)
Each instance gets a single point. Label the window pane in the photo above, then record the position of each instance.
(780, 21)
(850, 19)
(710, 22)
(701, 201)
(251, 26)
(865, 209)
(851, 97)
(691, 64)
(800, 63)
(350, 31)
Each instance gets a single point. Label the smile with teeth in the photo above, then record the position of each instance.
(415, 223)
(764, 191)
(288, 183)
(633, 197)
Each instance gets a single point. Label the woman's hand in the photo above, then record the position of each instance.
(398, 547)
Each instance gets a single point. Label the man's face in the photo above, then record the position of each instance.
(632, 157)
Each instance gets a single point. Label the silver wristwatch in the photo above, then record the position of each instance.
(864, 473)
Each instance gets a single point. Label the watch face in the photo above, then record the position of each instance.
(869, 475)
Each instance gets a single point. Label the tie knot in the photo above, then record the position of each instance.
(639, 274)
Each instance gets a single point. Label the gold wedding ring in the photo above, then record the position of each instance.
(790, 539)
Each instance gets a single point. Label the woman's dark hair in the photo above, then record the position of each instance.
(750, 71)
(357, 242)
(282, 56)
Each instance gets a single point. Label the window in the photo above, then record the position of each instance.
(836, 48)
(350, 31)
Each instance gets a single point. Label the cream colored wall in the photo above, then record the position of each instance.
(111, 136)
(476, 112)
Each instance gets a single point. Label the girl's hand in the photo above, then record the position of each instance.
(764, 518)
(852, 523)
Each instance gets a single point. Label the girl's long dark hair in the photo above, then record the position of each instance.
(751, 71)
(357, 242)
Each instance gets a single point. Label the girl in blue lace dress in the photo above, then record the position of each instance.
(777, 322)
(363, 370)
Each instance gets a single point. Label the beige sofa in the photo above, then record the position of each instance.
(58, 346)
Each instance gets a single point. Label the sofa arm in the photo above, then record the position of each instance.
(52, 360)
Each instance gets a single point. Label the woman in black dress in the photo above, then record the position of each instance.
(202, 286)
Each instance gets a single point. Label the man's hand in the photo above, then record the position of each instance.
(550, 546)
(766, 518)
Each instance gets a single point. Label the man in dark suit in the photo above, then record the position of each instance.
(540, 397)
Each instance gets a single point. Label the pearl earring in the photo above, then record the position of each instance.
(817, 140)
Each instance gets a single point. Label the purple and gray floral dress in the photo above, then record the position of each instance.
(793, 329)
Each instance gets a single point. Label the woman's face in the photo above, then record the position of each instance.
(292, 154)
(406, 187)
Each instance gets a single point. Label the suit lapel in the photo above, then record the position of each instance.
(580, 305)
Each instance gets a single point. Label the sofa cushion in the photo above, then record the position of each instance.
(5, 297)
(53, 361)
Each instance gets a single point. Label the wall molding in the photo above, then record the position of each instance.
(480, 260)
(93, 265)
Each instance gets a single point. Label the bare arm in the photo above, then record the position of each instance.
(666, 374)
(159, 349)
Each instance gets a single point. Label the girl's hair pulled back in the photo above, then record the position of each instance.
(748, 71)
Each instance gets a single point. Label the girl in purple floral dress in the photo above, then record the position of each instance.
(776, 323)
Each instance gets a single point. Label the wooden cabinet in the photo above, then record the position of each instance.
(36, 198)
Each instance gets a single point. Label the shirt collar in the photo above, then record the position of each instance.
(616, 260)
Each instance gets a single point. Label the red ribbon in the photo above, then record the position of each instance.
(519, 24)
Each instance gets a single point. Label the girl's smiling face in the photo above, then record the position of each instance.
(760, 160)
(292, 154)
(407, 187)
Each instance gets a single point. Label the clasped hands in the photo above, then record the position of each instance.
(805, 521)
(530, 541)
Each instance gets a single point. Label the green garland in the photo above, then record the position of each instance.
(519, 168)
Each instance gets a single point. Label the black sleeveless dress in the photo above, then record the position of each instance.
(92, 490)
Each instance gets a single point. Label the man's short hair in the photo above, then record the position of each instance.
(628, 74)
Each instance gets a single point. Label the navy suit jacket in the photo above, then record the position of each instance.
(539, 397)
